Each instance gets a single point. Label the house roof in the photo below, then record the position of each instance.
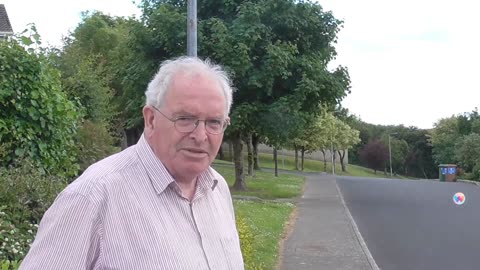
(5, 26)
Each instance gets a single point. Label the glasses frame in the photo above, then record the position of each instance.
(226, 123)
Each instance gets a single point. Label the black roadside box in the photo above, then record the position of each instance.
(448, 172)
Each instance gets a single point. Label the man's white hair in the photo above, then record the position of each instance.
(161, 82)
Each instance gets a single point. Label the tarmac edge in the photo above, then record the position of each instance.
(358, 235)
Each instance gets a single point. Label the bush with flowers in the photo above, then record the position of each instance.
(25, 195)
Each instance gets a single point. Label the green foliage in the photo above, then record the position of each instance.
(325, 131)
(93, 67)
(93, 143)
(15, 238)
(9, 265)
(476, 172)
(88, 85)
(400, 151)
(25, 195)
(411, 147)
(36, 120)
(467, 151)
(443, 138)
(280, 123)
(457, 139)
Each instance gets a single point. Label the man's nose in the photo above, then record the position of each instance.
(200, 131)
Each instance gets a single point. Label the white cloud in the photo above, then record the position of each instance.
(411, 62)
(55, 18)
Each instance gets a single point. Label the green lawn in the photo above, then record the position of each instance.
(266, 221)
(288, 163)
(264, 184)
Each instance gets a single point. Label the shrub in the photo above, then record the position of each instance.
(36, 120)
(9, 265)
(25, 195)
(94, 142)
(476, 172)
(16, 239)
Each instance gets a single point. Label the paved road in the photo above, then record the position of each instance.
(415, 224)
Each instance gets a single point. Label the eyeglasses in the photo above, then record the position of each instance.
(185, 124)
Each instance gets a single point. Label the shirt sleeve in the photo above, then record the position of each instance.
(68, 236)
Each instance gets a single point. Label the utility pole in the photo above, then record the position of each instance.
(390, 152)
(332, 153)
(192, 28)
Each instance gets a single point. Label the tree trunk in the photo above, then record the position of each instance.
(230, 151)
(238, 160)
(275, 160)
(342, 156)
(296, 156)
(324, 161)
(221, 156)
(250, 155)
(334, 157)
(123, 141)
(133, 134)
(255, 152)
(303, 156)
(424, 174)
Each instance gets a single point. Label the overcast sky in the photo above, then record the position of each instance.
(411, 62)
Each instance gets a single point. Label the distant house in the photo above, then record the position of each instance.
(5, 26)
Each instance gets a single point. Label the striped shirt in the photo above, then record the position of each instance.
(126, 212)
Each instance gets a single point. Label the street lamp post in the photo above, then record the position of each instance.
(390, 152)
(192, 28)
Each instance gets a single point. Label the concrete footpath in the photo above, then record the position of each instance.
(324, 235)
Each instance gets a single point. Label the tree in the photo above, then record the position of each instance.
(279, 124)
(346, 139)
(89, 65)
(36, 120)
(374, 155)
(443, 138)
(467, 151)
(313, 136)
(400, 150)
(274, 50)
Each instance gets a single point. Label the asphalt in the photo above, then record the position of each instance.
(415, 224)
(324, 235)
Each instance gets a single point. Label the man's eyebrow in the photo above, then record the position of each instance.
(183, 113)
(189, 114)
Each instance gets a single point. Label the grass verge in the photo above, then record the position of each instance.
(288, 163)
(266, 220)
(265, 185)
(267, 223)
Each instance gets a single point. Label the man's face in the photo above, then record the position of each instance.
(186, 155)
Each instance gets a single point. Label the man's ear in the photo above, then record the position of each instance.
(148, 119)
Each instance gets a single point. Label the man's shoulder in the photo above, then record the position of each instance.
(105, 173)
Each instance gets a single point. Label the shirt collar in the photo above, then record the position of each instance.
(159, 175)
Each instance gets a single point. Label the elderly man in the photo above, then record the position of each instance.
(157, 204)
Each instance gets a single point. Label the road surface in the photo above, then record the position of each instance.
(414, 224)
